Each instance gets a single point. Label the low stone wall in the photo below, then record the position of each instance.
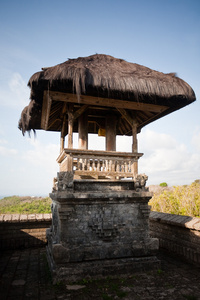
(179, 235)
(23, 231)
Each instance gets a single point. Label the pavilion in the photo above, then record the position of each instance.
(102, 95)
(100, 223)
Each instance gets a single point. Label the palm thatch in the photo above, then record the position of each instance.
(105, 76)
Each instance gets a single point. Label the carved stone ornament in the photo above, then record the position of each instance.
(140, 182)
(64, 181)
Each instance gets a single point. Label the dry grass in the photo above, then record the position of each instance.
(180, 200)
(25, 205)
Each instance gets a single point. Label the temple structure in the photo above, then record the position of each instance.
(99, 201)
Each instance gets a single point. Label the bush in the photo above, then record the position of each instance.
(180, 200)
(163, 184)
(25, 205)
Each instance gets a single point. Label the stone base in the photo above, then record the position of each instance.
(115, 268)
(100, 230)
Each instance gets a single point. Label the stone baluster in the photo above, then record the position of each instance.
(88, 164)
(93, 164)
(126, 166)
(98, 165)
(107, 168)
(117, 166)
(103, 165)
(78, 164)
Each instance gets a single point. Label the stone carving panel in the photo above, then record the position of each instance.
(106, 224)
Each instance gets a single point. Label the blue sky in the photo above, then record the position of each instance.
(162, 35)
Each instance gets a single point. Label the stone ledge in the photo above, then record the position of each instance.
(21, 218)
(176, 220)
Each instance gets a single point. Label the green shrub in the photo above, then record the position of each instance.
(163, 184)
(25, 205)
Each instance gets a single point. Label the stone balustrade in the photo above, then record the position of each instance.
(98, 164)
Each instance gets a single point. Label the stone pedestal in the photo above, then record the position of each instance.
(100, 229)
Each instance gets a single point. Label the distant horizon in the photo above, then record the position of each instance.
(5, 196)
(47, 195)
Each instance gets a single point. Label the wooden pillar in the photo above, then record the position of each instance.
(135, 147)
(63, 128)
(111, 122)
(63, 133)
(83, 131)
(70, 126)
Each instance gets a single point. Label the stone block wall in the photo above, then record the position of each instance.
(179, 235)
(23, 231)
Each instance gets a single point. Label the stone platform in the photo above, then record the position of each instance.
(99, 229)
(24, 275)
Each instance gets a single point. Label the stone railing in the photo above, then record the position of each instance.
(23, 231)
(99, 164)
(178, 235)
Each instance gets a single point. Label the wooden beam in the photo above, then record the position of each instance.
(55, 113)
(80, 111)
(126, 116)
(89, 100)
(46, 108)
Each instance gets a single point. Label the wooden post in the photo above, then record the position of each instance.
(62, 139)
(63, 129)
(135, 144)
(70, 126)
(111, 122)
(135, 147)
(83, 131)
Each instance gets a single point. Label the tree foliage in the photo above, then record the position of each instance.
(180, 200)
(25, 205)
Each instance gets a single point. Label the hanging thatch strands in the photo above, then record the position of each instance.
(105, 77)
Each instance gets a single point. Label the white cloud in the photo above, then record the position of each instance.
(196, 139)
(16, 93)
(165, 159)
(42, 156)
(5, 150)
(2, 141)
(30, 171)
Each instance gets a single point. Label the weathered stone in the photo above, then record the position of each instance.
(60, 254)
(177, 234)
(75, 287)
(65, 180)
(97, 232)
(19, 282)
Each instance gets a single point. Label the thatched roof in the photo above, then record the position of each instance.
(106, 77)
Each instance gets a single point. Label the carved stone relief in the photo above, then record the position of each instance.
(106, 224)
